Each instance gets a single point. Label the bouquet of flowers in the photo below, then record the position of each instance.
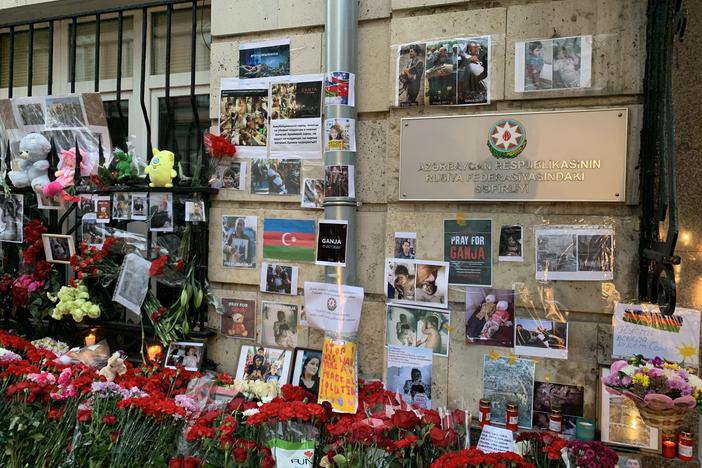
(592, 454)
(663, 391)
(542, 449)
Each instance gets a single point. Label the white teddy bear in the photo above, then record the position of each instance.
(33, 167)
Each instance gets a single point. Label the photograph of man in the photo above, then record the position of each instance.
(411, 76)
(406, 250)
(238, 245)
(472, 70)
(440, 74)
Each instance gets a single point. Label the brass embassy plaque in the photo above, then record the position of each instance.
(574, 155)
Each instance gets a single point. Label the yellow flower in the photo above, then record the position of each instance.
(641, 379)
(671, 365)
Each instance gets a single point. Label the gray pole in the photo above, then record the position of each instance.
(341, 29)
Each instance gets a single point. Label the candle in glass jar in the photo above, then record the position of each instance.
(153, 351)
(685, 446)
(669, 447)
(484, 414)
(90, 339)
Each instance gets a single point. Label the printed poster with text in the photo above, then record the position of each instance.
(333, 307)
(468, 249)
(644, 330)
(338, 383)
(296, 117)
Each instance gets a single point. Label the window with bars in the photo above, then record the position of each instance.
(85, 49)
(20, 65)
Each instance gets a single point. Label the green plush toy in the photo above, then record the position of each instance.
(124, 165)
(160, 169)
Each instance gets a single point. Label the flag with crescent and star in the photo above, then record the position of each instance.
(289, 239)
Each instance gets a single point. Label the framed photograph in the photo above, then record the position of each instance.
(576, 253)
(313, 194)
(307, 367)
(11, 218)
(239, 319)
(418, 327)
(188, 354)
(406, 245)
(420, 282)
(103, 209)
(140, 202)
(195, 211)
(132, 283)
(280, 322)
(509, 381)
(570, 398)
(257, 362)
(543, 338)
(58, 248)
(161, 212)
(239, 241)
(278, 279)
(620, 422)
(121, 206)
(490, 316)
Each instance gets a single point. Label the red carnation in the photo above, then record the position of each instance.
(109, 420)
(240, 455)
(158, 266)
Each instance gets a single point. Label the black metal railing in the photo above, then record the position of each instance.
(659, 221)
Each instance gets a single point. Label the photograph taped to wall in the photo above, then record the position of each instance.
(339, 134)
(133, 283)
(264, 363)
(418, 327)
(569, 398)
(620, 422)
(421, 282)
(576, 253)
(544, 338)
(296, 117)
(511, 248)
(643, 329)
(279, 324)
(50, 203)
(313, 194)
(339, 88)
(489, 316)
(92, 233)
(276, 176)
(264, 59)
(188, 354)
(87, 204)
(160, 212)
(195, 211)
(410, 75)
(121, 206)
(12, 218)
(104, 208)
(507, 381)
(406, 245)
(140, 202)
(307, 369)
(409, 374)
(239, 241)
(243, 116)
(239, 319)
(230, 175)
(549, 64)
(339, 181)
(278, 279)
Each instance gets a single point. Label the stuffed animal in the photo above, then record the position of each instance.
(66, 172)
(124, 165)
(115, 366)
(32, 160)
(238, 328)
(160, 169)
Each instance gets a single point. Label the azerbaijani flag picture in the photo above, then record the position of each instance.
(289, 239)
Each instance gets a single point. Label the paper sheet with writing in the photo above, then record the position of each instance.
(338, 383)
(644, 330)
(496, 439)
(333, 307)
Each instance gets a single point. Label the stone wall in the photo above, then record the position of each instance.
(618, 28)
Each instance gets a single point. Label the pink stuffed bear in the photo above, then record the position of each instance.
(66, 172)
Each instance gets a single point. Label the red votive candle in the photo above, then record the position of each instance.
(685, 443)
(669, 447)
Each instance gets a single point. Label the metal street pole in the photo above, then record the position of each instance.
(341, 31)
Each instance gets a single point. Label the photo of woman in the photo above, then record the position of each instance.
(307, 369)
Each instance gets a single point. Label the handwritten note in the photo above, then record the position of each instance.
(338, 383)
(496, 439)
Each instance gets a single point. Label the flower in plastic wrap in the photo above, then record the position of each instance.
(6, 355)
(57, 347)
(75, 301)
(264, 391)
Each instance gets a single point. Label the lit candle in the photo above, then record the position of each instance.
(153, 351)
(669, 447)
(89, 339)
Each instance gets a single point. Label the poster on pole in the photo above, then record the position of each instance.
(339, 88)
(468, 249)
(339, 381)
(331, 242)
(296, 117)
(333, 307)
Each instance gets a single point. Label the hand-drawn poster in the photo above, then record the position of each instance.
(339, 382)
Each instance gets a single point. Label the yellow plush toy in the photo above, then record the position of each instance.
(160, 169)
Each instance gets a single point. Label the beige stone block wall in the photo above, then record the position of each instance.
(618, 27)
